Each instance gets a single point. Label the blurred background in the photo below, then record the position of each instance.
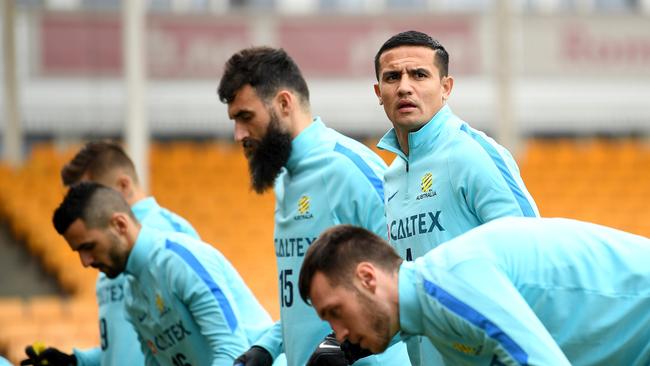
(564, 84)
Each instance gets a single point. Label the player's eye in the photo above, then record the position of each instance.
(420, 74)
(391, 76)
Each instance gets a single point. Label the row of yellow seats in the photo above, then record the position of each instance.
(53, 320)
(602, 181)
(589, 152)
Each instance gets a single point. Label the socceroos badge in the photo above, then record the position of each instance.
(160, 304)
(425, 187)
(469, 350)
(304, 206)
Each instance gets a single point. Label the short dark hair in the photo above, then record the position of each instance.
(338, 250)
(97, 158)
(91, 202)
(415, 38)
(265, 69)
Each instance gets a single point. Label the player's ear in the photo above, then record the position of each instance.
(447, 83)
(119, 221)
(285, 101)
(378, 94)
(367, 276)
(123, 183)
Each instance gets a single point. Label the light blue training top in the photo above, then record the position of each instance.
(532, 291)
(329, 179)
(118, 341)
(453, 179)
(187, 303)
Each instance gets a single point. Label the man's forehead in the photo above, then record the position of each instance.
(76, 233)
(408, 56)
(323, 294)
(245, 99)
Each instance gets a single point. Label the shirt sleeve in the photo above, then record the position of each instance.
(88, 357)
(271, 340)
(485, 308)
(488, 186)
(204, 291)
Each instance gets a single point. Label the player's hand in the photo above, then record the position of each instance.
(353, 351)
(38, 355)
(328, 353)
(255, 356)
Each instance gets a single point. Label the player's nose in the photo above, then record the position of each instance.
(86, 259)
(340, 332)
(404, 86)
(241, 132)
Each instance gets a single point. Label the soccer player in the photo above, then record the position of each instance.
(320, 177)
(514, 291)
(107, 163)
(448, 177)
(187, 303)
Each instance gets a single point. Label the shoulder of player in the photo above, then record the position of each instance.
(463, 151)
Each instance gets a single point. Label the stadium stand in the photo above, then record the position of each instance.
(606, 181)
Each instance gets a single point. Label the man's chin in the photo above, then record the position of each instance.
(375, 348)
(111, 274)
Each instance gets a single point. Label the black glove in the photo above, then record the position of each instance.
(354, 352)
(49, 356)
(255, 356)
(328, 353)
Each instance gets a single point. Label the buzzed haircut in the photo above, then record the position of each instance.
(415, 38)
(96, 159)
(91, 202)
(265, 69)
(338, 250)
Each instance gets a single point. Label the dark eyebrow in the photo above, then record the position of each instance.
(419, 69)
(326, 310)
(84, 246)
(321, 313)
(389, 73)
(241, 113)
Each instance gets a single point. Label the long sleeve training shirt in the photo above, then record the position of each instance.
(531, 291)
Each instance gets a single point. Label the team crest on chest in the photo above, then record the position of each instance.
(304, 207)
(466, 349)
(426, 184)
(160, 304)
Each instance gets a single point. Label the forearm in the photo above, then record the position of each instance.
(88, 357)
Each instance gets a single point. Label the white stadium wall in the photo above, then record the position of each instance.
(587, 74)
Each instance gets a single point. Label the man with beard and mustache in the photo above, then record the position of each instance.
(186, 302)
(513, 291)
(107, 163)
(320, 177)
(447, 177)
